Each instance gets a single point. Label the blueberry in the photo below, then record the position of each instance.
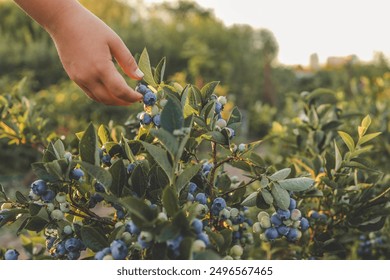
(275, 220)
(201, 198)
(50, 242)
(39, 187)
(174, 244)
(101, 254)
(230, 132)
(76, 174)
(130, 168)
(99, 187)
(150, 98)
(146, 119)
(304, 224)
(190, 197)
(73, 244)
(142, 89)
(119, 250)
(293, 204)
(192, 187)
(106, 159)
(271, 233)
(283, 230)
(218, 107)
(48, 196)
(157, 120)
(97, 197)
(60, 249)
(204, 237)
(197, 225)
(314, 214)
(132, 228)
(293, 235)
(11, 254)
(215, 210)
(283, 214)
(144, 244)
(206, 167)
(236, 235)
(73, 255)
(219, 203)
(120, 214)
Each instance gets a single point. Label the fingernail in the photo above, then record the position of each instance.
(139, 73)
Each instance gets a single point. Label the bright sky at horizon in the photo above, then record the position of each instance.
(303, 27)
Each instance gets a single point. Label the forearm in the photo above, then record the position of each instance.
(49, 13)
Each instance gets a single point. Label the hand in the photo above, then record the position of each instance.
(86, 46)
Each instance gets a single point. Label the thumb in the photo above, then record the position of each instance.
(125, 59)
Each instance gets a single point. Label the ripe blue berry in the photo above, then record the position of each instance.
(157, 120)
(101, 254)
(150, 98)
(142, 89)
(201, 198)
(119, 250)
(219, 203)
(192, 187)
(293, 204)
(106, 159)
(197, 225)
(204, 237)
(97, 197)
(60, 249)
(76, 174)
(99, 187)
(218, 107)
(73, 244)
(39, 187)
(132, 228)
(271, 233)
(293, 235)
(206, 167)
(283, 230)
(283, 214)
(74, 255)
(145, 119)
(174, 244)
(130, 168)
(304, 224)
(314, 214)
(48, 196)
(11, 254)
(275, 220)
(190, 197)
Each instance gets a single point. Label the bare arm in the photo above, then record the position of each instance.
(86, 46)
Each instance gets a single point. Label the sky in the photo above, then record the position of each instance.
(303, 27)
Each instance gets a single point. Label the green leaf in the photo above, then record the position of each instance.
(207, 255)
(170, 201)
(128, 151)
(34, 209)
(186, 248)
(366, 122)
(167, 139)
(104, 134)
(368, 137)
(93, 238)
(296, 184)
(36, 224)
(138, 209)
(89, 146)
(160, 71)
(169, 231)
(267, 196)
(281, 196)
(172, 116)
(208, 90)
(235, 117)
(59, 147)
(144, 65)
(185, 177)
(118, 175)
(161, 157)
(338, 157)
(347, 140)
(40, 170)
(138, 180)
(250, 200)
(157, 177)
(102, 175)
(280, 175)
(55, 169)
(20, 197)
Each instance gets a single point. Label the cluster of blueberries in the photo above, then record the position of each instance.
(70, 248)
(283, 223)
(370, 245)
(151, 112)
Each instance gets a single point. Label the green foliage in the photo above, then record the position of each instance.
(144, 177)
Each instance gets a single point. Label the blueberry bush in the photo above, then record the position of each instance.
(165, 186)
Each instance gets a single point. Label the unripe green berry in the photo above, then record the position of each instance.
(108, 258)
(227, 257)
(296, 215)
(221, 123)
(257, 228)
(57, 214)
(61, 197)
(162, 217)
(146, 236)
(261, 215)
(222, 100)
(236, 251)
(265, 222)
(118, 224)
(241, 147)
(50, 207)
(263, 237)
(234, 212)
(126, 236)
(68, 229)
(296, 224)
(198, 246)
(65, 207)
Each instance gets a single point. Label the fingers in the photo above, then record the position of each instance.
(125, 59)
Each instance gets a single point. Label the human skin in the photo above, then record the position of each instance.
(86, 47)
